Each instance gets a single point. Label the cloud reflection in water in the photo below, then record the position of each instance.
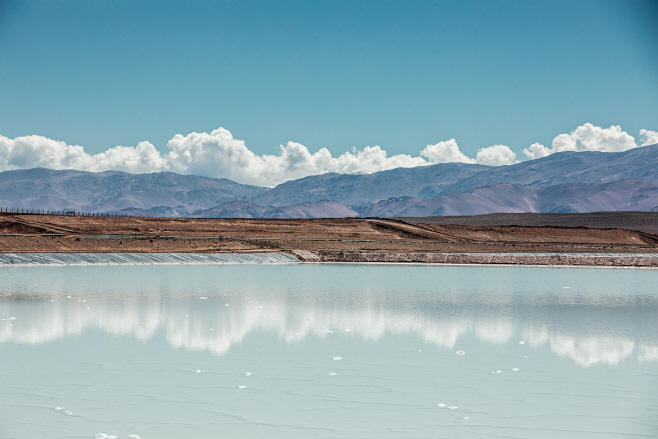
(209, 325)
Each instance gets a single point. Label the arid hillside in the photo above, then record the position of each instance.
(52, 233)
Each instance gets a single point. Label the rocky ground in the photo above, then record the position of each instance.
(324, 238)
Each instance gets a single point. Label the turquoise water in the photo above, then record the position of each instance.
(328, 351)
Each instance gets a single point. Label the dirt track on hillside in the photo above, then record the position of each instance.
(52, 233)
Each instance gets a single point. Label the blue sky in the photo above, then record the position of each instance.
(330, 74)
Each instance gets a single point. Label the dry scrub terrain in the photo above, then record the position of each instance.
(51, 233)
(641, 221)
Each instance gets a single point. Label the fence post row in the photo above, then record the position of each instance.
(62, 212)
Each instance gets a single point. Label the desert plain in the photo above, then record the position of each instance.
(335, 239)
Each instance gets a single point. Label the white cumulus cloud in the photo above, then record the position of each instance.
(588, 137)
(214, 154)
(650, 137)
(445, 152)
(39, 151)
(218, 154)
(449, 152)
(537, 151)
(496, 155)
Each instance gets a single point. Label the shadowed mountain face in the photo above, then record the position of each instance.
(562, 182)
(164, 193)
(421, 182)
(243, 209)
(625, 195)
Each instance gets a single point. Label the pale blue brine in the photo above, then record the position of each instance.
(328, 351)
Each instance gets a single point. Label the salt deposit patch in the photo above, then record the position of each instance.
(17, 259)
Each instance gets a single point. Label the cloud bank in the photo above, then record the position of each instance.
(588, 137)
(218, 154)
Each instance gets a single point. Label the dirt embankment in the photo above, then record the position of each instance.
(646, 222)
(51, 233)
(562, 259)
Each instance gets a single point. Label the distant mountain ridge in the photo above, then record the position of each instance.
(243, 209)
(112, 191)
(562, 182)
(446, 178)
(354, 189)
(623, 195)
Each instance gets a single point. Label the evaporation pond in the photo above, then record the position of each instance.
(328, 351)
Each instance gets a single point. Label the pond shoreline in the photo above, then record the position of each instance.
(304, 256)
(544, 259)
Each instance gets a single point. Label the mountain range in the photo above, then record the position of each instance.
(562, 182)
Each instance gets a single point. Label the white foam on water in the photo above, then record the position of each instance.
(515, 369)
(441, 405)
(198, 371)
(12, 318)
(247, 373)
(460, 352)
(58, 408)
(465, 417)
(101, 436)
(452, 407)
(566, 287)
(338, 358)
(332, 373)
(203, 298)
(521, 342)
(242, 387)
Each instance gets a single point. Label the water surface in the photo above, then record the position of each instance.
(335, 351)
